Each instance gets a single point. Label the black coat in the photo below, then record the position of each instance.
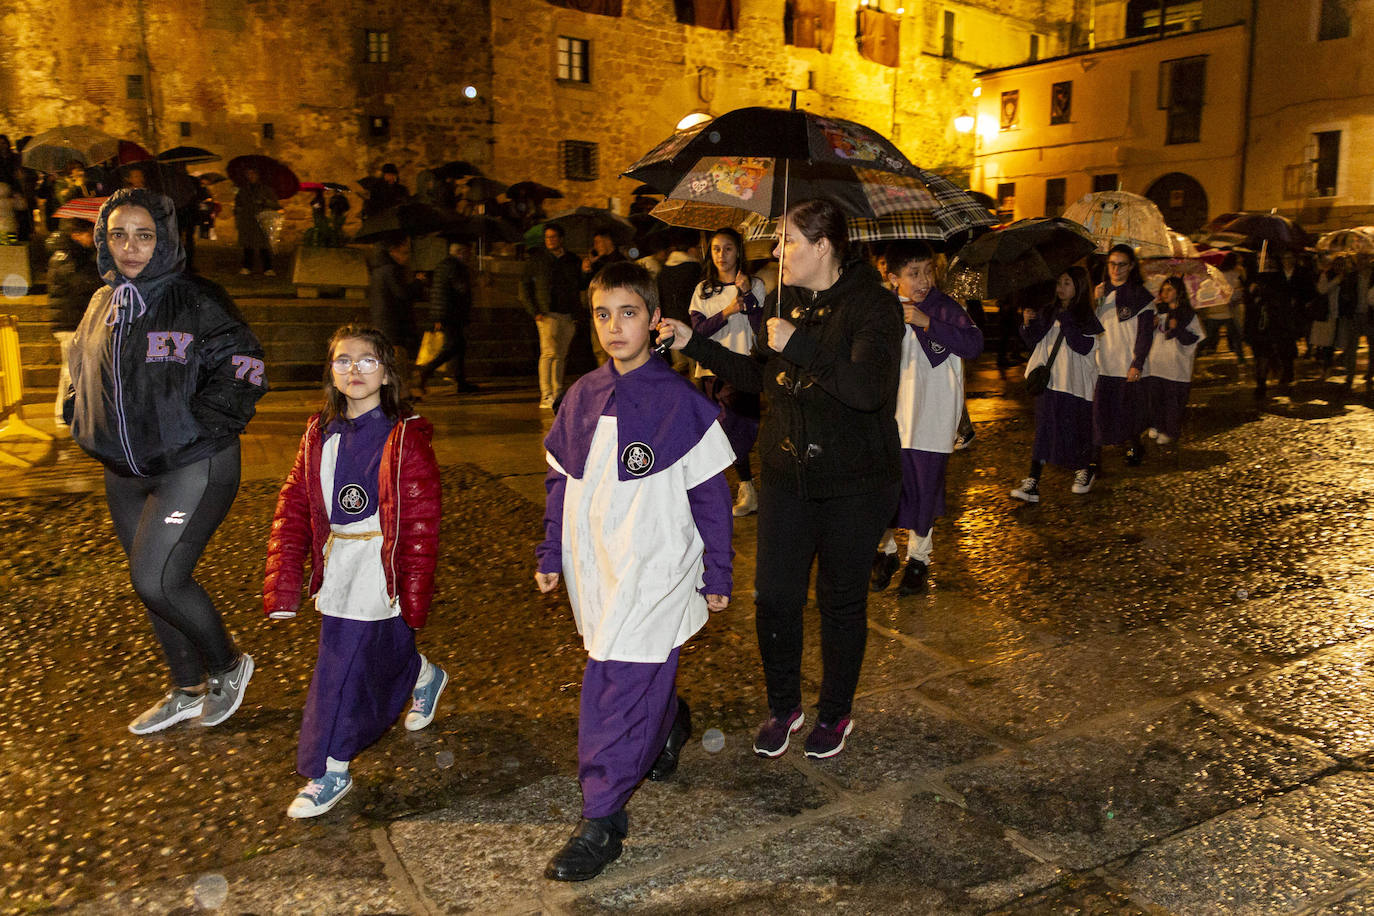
(391, 296)
(675, 287)
(73, 279)
(450, 295)
(831, 426)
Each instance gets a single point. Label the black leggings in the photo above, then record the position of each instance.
(838, 534)
(163, 524)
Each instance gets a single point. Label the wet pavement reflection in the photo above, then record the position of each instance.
(1089, 677)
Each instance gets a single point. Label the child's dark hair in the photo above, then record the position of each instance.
(626, 275)
(1080, 307)
(1183, 306)
(906, 251)
(713, 283)
(1122, 248)
(395, 397)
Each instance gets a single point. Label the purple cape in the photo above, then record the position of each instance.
(660, 417)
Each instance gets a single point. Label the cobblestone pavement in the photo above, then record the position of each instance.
(1155, 698)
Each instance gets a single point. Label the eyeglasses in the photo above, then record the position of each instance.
(367, 365)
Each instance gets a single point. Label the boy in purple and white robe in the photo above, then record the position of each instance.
(638, 524)
(939, 335)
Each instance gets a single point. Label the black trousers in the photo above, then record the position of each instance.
(264, 255)
(838, 534)
(455, 348)
(163, 524)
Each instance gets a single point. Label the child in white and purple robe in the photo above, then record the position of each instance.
(939, 335)
(1169, 369)
(1064, 410)
(638, 526)
(1128, 320)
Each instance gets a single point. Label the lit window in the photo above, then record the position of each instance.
(378, 47)
(1327, 164)
(574, 59)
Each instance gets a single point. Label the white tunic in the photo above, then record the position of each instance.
(632, 555)
(1116, 346)
(1072, 373)
(1170, 359)
(738, 334)
(354, 584)
(930, 399)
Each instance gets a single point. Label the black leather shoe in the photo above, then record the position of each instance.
(884, 568)
(913, 578)
(666, 764)
(594, 845)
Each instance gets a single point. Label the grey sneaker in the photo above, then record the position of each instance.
(226, 691)
(176, 706)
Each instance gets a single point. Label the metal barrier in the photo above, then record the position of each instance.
(12, 393)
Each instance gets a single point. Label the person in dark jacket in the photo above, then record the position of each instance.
(1273, 324)
(72, 280)
(254, 199)
(551, 291)
(385, 192)
(677, 283)
(165, 376)
(450, 307)
(831, 470)
(392, 292)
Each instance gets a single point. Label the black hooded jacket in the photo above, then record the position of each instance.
(164, 370)
(831, 426)
(72, 281)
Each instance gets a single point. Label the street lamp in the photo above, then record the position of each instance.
(964, 122)
(692, 119)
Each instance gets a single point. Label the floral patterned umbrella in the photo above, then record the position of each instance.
(1207, 286)
(1359, 240)
(1120, 217)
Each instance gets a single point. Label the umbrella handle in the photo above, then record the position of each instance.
(782, 249)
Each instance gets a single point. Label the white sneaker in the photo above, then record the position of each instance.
(1163, 439)
(1083, 480)
(546, 403)
(1028, 491)
(244, 271)
(747, 502)
(176, 706)
(1152, 433)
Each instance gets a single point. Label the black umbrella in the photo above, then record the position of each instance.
(532, 190)
(188, 155)
(1027, 252)
(271, 172)
(480, 189)
(479, 227)
(645, 190)
(456, 169)
(759, 159)
(580, 224)
(412, 219)
(1269, 230)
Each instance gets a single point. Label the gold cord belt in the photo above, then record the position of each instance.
(346, 536)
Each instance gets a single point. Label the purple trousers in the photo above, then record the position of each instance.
(923, 490)
(363, 681)
(626, 713)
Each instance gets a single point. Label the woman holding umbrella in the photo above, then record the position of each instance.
(1124, 308)
(253, 199)
(165, 376)
(831, 471)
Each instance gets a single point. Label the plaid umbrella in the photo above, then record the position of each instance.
(1120, 217)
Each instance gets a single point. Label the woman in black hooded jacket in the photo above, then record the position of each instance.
(165, 376)
(831, 471)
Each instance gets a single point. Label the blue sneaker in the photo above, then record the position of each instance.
(319, 795)
(426, 701)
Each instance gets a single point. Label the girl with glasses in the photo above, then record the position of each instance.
(1125, 311)
(362, 502)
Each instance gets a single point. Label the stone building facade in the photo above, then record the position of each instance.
(337, 88)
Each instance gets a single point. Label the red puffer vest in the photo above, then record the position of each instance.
(410, 506)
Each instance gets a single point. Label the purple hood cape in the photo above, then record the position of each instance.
(660, 417)
(1131, 298)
